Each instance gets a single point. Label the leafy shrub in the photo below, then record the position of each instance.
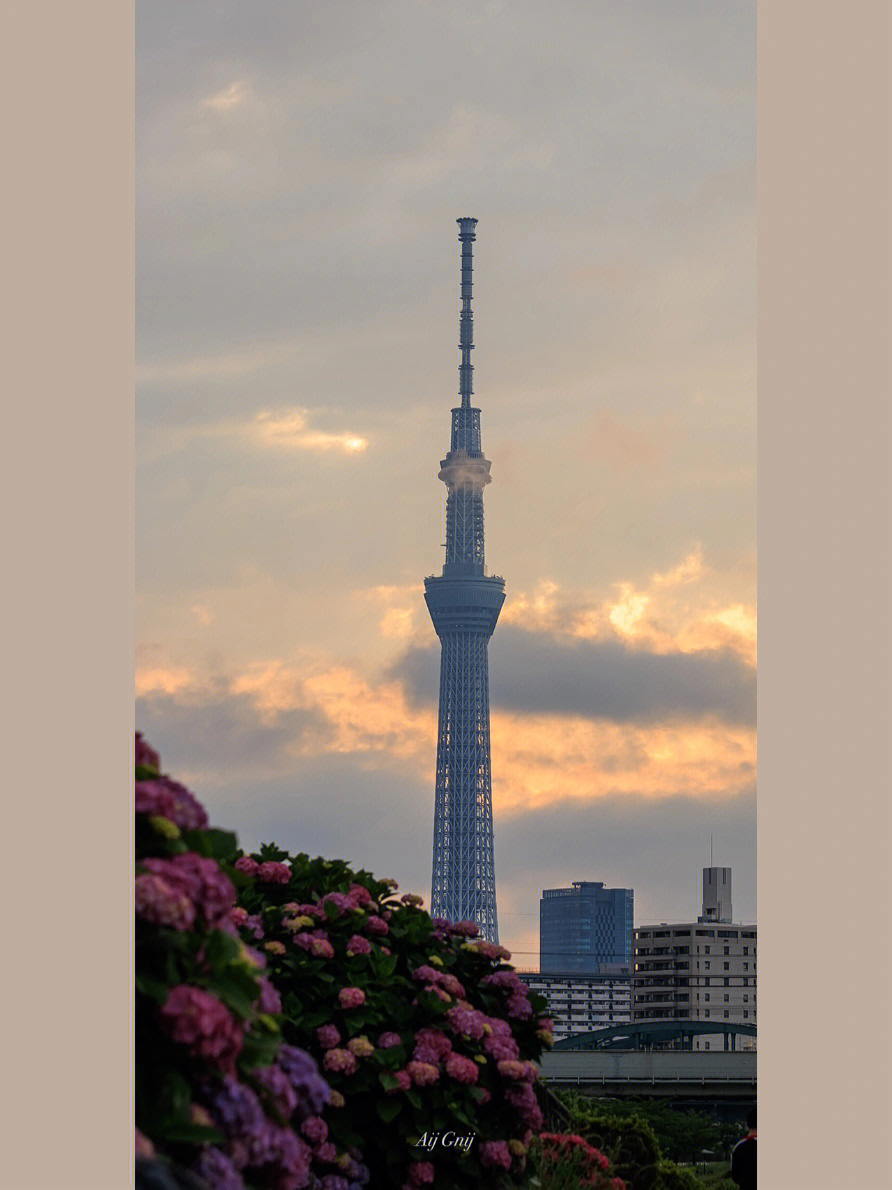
(423, 1032)
(217, 1091)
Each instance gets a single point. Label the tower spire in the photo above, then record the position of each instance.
(464, 604)
(467, 235)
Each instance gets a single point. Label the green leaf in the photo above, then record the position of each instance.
(414, 1098)
(388, 1109)
(237, 989)
(221, 948)
(155, 989)
(215, 844)
(145, 772)
(388, 1081)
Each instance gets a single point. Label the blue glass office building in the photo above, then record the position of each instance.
(585, 929)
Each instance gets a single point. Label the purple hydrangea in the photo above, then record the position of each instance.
(240, 1115)
(358, 945)
(377, 925)
(431, 1045)
(275, 1081)
(315, 1130)
(217, 1170)
(313, 1092)
(388, 1040)
(328, 1036)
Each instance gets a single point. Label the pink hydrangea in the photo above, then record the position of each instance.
(412, 899)
(510, 1068)
(431, 1045)
(358, 945)
(464, 929)
(247, 865)
(426, 973)
(351, 997)
(519, 1007)
(315, 1129)
(145, 755)
(155, 901)
(504, 979)
(269, 999)
(404, 1081)
(326, 1153)
(522, 1098)
(360, 894)
(461, 1069)
(466, 1021)
(208, 888)
(421, 1173)
(142, 1145)
(451, 985)
(272, 872)
(489, 950)
(422, 1073)
(339, 1061)
(238, 916)
(316, 943)
(377, 925)
(193, 1017)
(328, 1036)
(168, 799)
(388, 1040)
(501, 1048)
(495, 1153)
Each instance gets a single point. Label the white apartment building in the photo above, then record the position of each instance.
(701, 971)
(582, 1003)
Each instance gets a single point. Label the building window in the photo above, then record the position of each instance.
(706, 1012)
(746, 950)
(727, 1013)
(727, 982)
(727, 966)
(727, 998)
(706, 965)
(706, 950)
(745, 1014)
(706, 997)
(745, 999)
(727, 950)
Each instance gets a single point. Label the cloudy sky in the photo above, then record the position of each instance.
(300, 170)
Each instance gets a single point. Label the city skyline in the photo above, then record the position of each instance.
(298, 182)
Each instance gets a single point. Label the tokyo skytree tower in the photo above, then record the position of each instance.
(464, 603)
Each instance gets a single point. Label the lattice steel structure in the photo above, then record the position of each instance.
(464, 603)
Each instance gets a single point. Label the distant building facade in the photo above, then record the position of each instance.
(581, 1003)
(586, 929)
(700, 971)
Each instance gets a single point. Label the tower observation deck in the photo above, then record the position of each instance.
(464, 603)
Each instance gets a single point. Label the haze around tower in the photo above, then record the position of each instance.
(299, 177)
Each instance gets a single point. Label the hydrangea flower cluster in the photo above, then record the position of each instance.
(432, 1025)
(218, 1090)
(561, 1157)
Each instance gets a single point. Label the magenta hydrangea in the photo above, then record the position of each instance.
(351, 997)
(170, 799)
(145, 755)
(278, 1086)
(421, 1173)
(388, 1040)
(193, 1017)
(246, 864)
(156, 902)
(315, 1130)
(431, 1045)
(272, 872)
(198, 877)
(358, 945)
(328, 1036)
(404, 1081)
(467, 1021)
(377, 925)
(495, 1153)
(463, 929)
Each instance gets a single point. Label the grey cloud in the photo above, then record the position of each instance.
(537, 673)
(214, 728)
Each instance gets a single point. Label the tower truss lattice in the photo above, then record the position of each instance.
(464, 603)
